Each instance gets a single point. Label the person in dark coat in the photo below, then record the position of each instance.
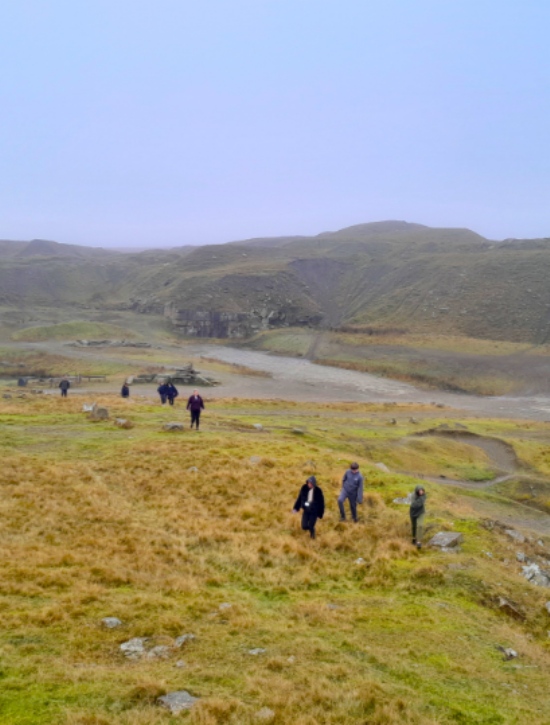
(64, 386)
(171, 393)
(161, 390)
(195, 404)
(312, 501)
(417, 513)
(125, 391)
(352, 489)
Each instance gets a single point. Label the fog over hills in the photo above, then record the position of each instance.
(390, 273)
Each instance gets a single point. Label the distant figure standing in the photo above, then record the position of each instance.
(417, 513)
(125, 391)
(171, 393)
(161, 390)
(352, 489)
(64, 386)
(312, 501)
(195, 404)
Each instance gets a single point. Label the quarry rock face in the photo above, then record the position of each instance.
(177, 701)
(446, 540)
(221, 324)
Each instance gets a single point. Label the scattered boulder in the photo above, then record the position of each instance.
(298, 431)
(404, 501)
(393, 421)
(537, 576)
(134, 648)
(173, 427)
(7, 396)
(225, 605)
(360, 560)
(182, 639)
(332, 607)
(382, 467)
(265, 715)
(460, 426)
(255, 459)
(181, 663)
(99, 413)
(193, 469)
(256, 651)
(161, 651)
(177, 701)
(446, 540)
(520, 556)
(505, 606)
(547, 607)
(509, 653)
(258, 426)
(111, 622)
(516, 535)
(88, 407)
(123, 423)
(291, 660)
(413, 420)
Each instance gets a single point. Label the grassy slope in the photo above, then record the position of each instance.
(74, 330)
(105, 522)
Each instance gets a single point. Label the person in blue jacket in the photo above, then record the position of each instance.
(352, 490)
(161, 390)
(171, 393)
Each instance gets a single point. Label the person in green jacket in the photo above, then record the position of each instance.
(417, 513)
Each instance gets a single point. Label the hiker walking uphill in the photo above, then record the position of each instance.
(171, 393)
(195, 404)
(417, 513)
(312, 501)
(161, 390)
(352, 489)
(64, 386)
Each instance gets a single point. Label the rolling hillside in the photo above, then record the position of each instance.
(384, 274)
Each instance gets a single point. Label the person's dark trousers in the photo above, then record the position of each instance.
(308, 523)
(63, 393)
(195, 418)
(171, 401)
(352, 504)
(163, 399)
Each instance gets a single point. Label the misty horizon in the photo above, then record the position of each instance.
(131, 126)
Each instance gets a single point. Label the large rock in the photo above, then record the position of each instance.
(134, 648)
(537, 576)
(99, 413)
(265, 715)
(446, 539)
(173, 427)
(382, 467)
(177, 701)
(182, 639)
(505, 606)
(111, 622)
(123, 423)
(516, 535)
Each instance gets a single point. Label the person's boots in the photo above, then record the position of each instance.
(312, 533)
(418, 545)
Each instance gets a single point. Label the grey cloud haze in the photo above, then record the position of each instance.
(139, 123)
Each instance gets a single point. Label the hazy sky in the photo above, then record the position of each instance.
(131, 122)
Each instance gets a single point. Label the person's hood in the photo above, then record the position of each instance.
(313, 480)
(417, 490)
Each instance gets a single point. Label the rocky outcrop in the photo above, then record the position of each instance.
(202, 323)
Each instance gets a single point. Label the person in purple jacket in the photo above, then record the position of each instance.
(195, 404)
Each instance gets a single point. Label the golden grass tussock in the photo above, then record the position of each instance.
(357, 626)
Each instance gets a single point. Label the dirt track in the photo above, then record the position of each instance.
(300, 380)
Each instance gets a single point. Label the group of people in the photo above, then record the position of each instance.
(311, 501)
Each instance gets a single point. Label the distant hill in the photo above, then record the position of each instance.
(392, 273)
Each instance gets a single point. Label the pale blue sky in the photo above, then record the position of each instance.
(125, 122)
